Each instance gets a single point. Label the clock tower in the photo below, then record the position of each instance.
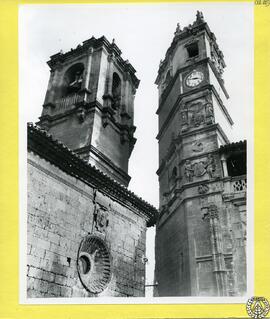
(197, 253)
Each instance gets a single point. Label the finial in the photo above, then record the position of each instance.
(113, 41)
(178, 29)
(199, 16)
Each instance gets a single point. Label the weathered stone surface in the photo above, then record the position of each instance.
(200, 239)
(60, 215)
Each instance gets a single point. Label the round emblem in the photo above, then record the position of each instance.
(194, 78)
(257, 307)
(94, 264)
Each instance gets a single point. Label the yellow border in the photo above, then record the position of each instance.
(9, 293)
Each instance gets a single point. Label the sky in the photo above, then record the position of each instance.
(143, 32)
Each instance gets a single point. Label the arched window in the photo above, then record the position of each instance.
(73, 79)
(116, 90)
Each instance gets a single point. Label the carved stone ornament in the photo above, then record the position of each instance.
(199, 17)
(211, 212)
(189, 171)
(81, 115)
(209, 113)
(197, 147)
(164, 201)
(101, 220)
(197, 114)
(193, 116)
(203, 189)
(94, 264)
(200, 168)
(184, 120)
(216, 61)
(210, 165)
(178, 29)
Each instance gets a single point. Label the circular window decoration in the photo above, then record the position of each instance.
(94, 264)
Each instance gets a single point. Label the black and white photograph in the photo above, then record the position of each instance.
(136, 140)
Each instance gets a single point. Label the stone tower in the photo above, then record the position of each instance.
(89, 105)
(200, 238)
(86, 232)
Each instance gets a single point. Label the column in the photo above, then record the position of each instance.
(85, 85)
(224, 166)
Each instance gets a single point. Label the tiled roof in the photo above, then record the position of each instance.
(43, 144)
(235, 146)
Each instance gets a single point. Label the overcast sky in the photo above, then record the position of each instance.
(143, 33)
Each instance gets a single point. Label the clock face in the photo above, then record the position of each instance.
(194, 78)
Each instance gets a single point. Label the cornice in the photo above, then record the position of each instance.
(41, 143)
(170, 85)
(106, 160)
(181, 70)
(213, 127)
(187, 94)
(182, 202)
(95, 44)
(89, 107)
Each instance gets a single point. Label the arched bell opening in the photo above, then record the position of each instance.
(116, 91)
(72, 82)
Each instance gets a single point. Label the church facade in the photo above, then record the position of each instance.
(201, 229)
(86, 232)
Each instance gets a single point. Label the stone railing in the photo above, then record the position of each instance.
(235, 184)
(239, 184)
(67, 101)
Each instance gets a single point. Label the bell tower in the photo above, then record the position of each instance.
(89, 105)
(196, 254)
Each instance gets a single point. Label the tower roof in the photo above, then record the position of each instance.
(188, 31)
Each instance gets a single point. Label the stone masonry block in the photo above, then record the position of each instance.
(61, 280)
(35, 272)
(32, 293)
(53, 238)
(59, 269)
(30, 282)
(38, 252)
(43, 243)
(41, 285)
(54, 289)
(48, 276)
(65, 291)
(33, 261)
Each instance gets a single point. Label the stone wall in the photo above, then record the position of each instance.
(60, 215)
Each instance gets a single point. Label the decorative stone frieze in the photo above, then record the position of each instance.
(200, 168)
